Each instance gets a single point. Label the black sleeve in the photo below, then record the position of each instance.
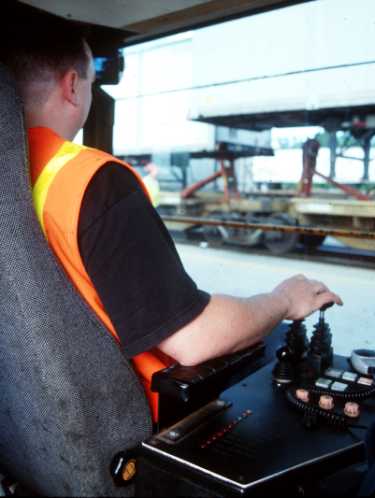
(133, 263)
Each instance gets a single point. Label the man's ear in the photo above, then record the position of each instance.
(69, 85)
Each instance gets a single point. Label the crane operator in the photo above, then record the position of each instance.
(99, 222)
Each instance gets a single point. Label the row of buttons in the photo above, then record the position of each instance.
(348, 376)
(327, 403)
(341, 375)
(330, 384)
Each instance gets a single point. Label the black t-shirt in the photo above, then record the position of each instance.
(133, 263)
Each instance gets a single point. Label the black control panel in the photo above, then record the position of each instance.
(252, 436)
(303, 414)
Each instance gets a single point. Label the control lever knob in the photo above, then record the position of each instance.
(284, 354)
(325, 307)
(283, 372)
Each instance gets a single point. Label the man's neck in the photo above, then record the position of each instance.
(50, 119)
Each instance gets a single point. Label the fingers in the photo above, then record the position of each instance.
(327, 297)
(319, 287)
(306, 296)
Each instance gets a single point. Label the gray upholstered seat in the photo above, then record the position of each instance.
(69, 399)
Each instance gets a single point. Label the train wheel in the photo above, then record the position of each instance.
(280, 242)
(312, 242)
(245, 238)
(215, 235)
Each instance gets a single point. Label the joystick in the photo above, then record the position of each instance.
(296, 340)
(283, 372)
(291, 355)
(320, 355)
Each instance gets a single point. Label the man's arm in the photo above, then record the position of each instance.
(150, 299)
(133, 263)
(229, 324)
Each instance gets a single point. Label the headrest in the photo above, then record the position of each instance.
(14, 178)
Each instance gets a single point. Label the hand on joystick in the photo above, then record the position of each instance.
(303, 296)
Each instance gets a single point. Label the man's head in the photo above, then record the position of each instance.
(54, 72)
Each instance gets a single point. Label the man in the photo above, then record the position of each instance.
(100, 223)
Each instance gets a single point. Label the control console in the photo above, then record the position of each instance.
(244, 422)
(312, 386)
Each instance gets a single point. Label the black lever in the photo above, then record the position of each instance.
(326, 306)
(321, 351)
(323, 309)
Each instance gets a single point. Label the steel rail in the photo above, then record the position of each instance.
(267, 227)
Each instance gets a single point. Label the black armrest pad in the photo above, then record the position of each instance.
(210, 378)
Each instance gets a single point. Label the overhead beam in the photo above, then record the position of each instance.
(143, 20)
(201, 15)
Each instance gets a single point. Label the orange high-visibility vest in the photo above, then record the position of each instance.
(60, 173)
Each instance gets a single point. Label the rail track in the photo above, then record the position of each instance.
(327, 253)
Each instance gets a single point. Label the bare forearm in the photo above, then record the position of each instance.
(228, 324)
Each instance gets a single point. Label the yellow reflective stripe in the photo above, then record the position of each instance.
(153, 188)
(66, 153)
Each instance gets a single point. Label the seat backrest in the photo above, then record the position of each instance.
(70, 400)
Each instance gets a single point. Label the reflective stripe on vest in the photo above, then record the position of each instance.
(59, 186)
(67, 152)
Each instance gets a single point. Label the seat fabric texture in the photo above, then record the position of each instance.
(70, 400)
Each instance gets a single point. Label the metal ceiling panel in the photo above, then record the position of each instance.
(112, 13)
(152, 18)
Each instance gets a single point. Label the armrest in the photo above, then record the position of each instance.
(183, 390)
(204, 382)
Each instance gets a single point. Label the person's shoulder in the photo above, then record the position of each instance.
(112, 182)
(110, 163)
(115, 170)
(104, 156)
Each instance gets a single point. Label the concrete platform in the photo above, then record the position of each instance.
(239, 274)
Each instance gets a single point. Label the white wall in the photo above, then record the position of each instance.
(276, 48)
(162, 83)
(154, 100)
(307, 36)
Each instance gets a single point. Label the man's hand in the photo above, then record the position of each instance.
(304, 296)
